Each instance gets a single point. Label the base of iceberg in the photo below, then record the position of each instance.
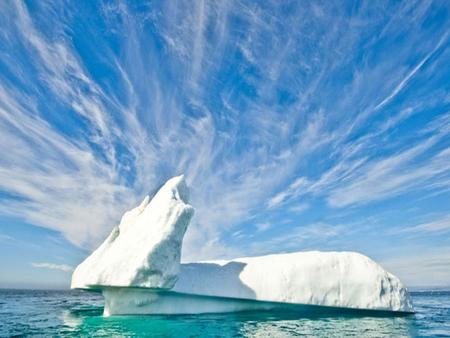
(122, 301)
(141, 301)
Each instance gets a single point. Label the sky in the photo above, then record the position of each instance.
(299, 125)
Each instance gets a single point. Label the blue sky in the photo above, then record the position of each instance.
(300, 125)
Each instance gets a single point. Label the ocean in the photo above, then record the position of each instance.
(79, 314)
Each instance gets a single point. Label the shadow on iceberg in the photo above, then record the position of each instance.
(213, 279)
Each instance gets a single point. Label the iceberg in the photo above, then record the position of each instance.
(138, 270)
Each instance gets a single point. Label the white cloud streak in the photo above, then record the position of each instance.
(408, 77)
(264, 226)
(52, 266)
(437, 226)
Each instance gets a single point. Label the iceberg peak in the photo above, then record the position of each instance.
(178, 187)
(144, 250)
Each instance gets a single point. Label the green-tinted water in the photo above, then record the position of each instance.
(77, 313)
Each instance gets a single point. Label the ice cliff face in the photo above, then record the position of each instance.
(145, 249)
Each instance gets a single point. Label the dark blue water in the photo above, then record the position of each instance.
(78, 313)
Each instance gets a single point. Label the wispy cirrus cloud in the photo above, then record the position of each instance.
(52, 266)
(263, 226)
(411, 74)
(392, 176)
(262, 107)
(436, 226)
(359, 180)
(294, 189)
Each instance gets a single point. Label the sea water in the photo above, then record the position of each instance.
(79, 313)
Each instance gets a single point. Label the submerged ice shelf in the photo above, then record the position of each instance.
(123, 301)
(139, 263)
(120, 301)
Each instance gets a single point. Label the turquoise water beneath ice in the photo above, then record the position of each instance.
(78, 313)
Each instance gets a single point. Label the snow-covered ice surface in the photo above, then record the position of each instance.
(339, 279)
(145, 249)
(139, 263)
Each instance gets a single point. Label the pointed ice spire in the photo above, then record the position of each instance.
(145, 249)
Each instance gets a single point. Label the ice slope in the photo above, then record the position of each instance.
(145, 249)
(139, 263)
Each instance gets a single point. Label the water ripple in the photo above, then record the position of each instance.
(77, 313)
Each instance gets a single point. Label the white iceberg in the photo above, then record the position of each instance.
(138, 270)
